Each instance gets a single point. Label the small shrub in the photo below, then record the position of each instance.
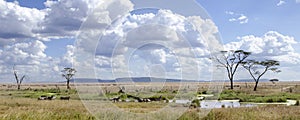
(270, 100)
(123, 97)
(281, 99)
(175, 91)
(196, 102)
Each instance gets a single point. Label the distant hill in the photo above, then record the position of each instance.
(134, 79)
(151, 79)
(251, 80)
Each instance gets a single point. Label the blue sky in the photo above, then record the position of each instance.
(39, 4)
(263, 16)
(41, 33)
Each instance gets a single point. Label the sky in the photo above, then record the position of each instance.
(138, 38)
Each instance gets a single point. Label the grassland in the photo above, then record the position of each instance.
(23, 104)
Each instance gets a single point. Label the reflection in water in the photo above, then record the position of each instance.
(208, 104)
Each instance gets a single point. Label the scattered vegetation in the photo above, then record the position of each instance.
(23, 104)
(258, 98)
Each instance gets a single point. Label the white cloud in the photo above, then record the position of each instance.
(30, 59)
(63, 18)
(17, 22)
(60, 19)
(25, 29)
(235, 17)
(272, 45)
(281, 2)
(140, 37)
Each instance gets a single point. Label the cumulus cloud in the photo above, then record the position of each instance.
(90, 33)
(62, 18)
(17, 23)
(272, 45)
(24, 30)
(157, 39)
(30, 59)
(235, 17)
(166, 28)
(188, 38)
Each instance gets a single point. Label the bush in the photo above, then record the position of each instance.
(270, 100)
(281, 99)
(196, 102)
(123, 97)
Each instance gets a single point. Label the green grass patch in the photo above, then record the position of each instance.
(259, 98)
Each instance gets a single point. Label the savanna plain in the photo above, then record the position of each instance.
(100, 101)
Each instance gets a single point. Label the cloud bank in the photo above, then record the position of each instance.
(118, 43)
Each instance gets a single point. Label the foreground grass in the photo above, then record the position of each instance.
(29, 109)
(269, 112)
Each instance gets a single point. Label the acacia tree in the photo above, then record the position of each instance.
(231, 60)
(274, 81)
(19, 81)
(258, 68)
(68, 73)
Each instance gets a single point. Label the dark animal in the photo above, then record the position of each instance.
(155, 99)
(43, 97)
(115, 99)
(121, 91)
(146, 100)
(52, 97)
(65, 97)
(136, 98)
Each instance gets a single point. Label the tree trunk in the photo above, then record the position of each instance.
(231, 84)
(19, 86)
(68, 84)
(255, 87)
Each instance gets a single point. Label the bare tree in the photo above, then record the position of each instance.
(258, 68)
(19, 81)
(231, 61)
(68, 73)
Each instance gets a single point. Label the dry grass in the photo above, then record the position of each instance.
(12, 107)
(269, 112)
(28, 109)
